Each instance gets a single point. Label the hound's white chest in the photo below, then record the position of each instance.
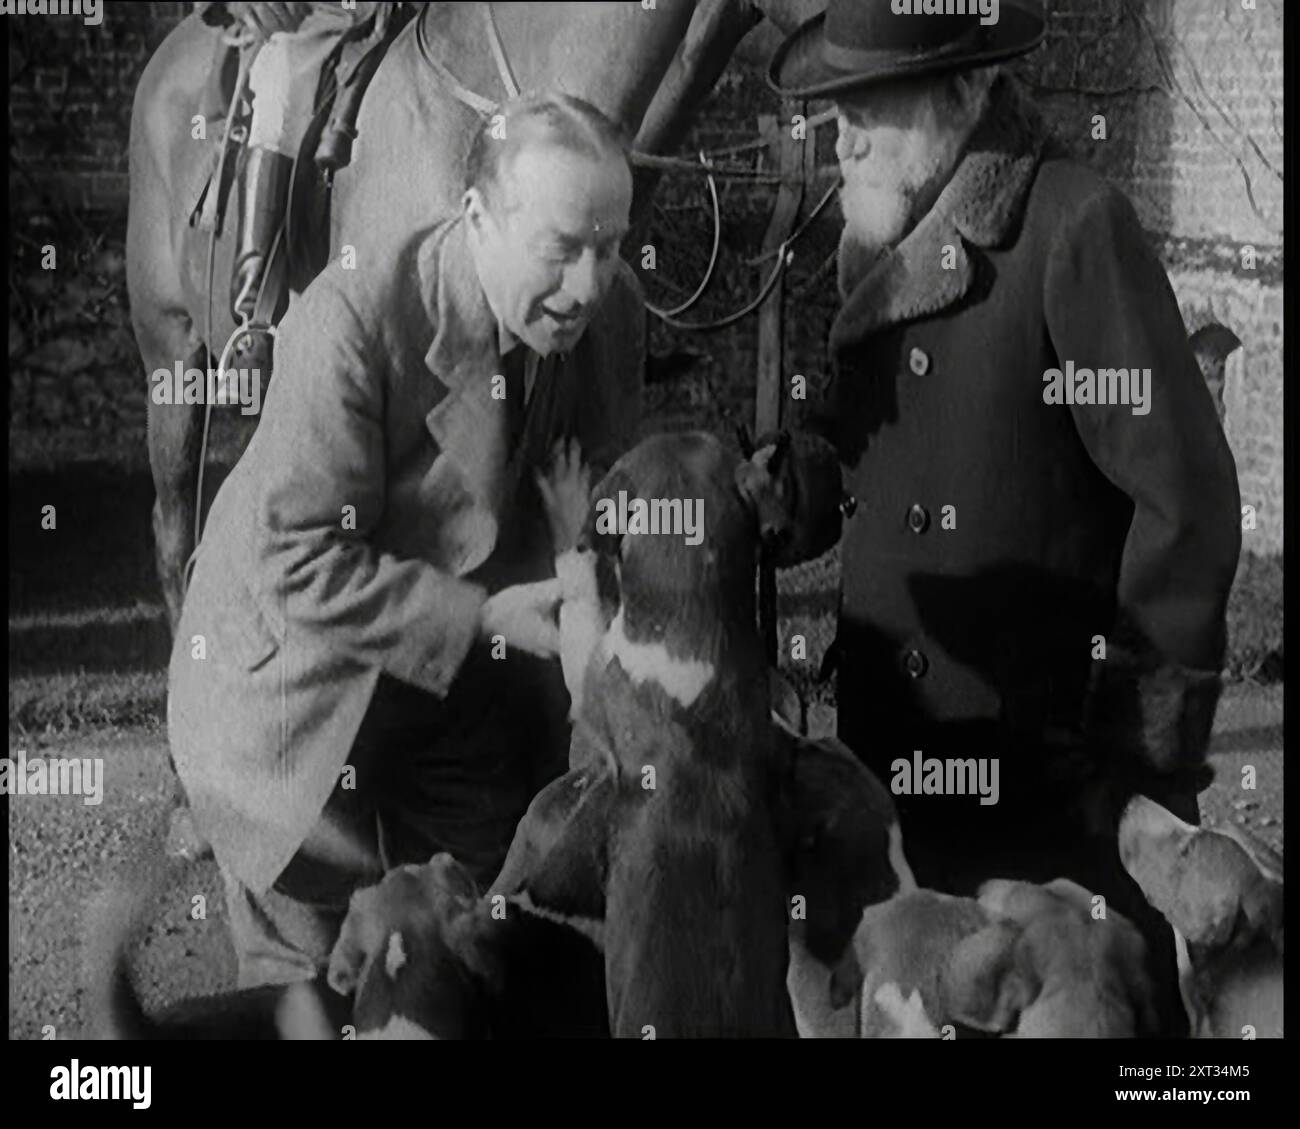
(683, 680)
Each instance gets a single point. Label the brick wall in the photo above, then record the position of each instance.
(1192, 95)
(1191, 91)
(70, 91)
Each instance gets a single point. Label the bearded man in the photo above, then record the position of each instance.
(1038, 550)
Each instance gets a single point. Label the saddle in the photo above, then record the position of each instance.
(326, 148)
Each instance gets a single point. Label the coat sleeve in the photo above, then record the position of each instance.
(324, 494)
(1108, 304)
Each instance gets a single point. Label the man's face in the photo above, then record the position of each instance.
(894, 147)
(547, 241)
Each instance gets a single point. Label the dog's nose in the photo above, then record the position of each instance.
(774, 535)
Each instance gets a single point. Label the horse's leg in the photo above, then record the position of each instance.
(174, 432)
(165, 167)
(165, 335)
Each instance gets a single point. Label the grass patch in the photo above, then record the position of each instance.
(61, 704)
(1255, 620)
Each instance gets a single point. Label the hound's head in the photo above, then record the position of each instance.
(1083, 974)
(844, 847)
(677, 525)
(1222, 891)
(407, 952)
(1025, 960)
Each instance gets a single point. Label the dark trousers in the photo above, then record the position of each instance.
(457, 775)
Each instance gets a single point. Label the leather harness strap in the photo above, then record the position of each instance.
(499, 52)
(462, 94)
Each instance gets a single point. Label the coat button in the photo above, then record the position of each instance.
(919, 361)
(918, 519)
(848, 505)
(915, 663)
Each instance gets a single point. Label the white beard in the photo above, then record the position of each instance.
(875, 215)
(880, 211)
(875, 220)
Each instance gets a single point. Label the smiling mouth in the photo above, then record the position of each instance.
(562, 319)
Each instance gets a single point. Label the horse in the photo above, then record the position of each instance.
(646, 65)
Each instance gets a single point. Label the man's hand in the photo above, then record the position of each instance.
(265, 17)
(524, 615)
(581, 622)
(566, 494)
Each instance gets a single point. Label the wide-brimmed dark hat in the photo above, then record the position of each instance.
(857, 43)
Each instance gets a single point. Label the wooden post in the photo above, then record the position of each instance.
(771, 379)
(789, 153)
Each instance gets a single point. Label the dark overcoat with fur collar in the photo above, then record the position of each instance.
(1000, 542)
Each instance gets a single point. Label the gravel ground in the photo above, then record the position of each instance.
(61, 851)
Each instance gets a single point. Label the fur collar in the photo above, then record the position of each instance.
(980, 206)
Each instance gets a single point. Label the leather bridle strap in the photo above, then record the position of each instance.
(499, 53)
(455, 87)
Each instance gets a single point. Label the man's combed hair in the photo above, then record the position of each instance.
(548, 118)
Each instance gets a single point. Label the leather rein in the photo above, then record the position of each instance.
(486, 107)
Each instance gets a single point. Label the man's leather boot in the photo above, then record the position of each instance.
(266, 192)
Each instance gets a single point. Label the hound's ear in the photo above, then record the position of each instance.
(983, 984)
(600, 533)
(761, 483)
(795, 484)
(467, 938)
(846, 980)
(301, 1014)
(442, 876)
(360, 939)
